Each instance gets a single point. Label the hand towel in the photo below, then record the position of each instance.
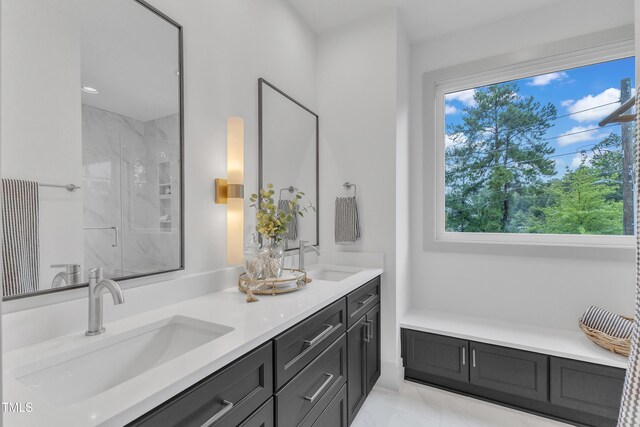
(347, 223)
(21, 240)
(292, 227)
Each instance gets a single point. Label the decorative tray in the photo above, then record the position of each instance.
(291, 280)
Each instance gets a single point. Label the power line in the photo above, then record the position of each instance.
(518, 163)
(557, 118)
(497, 150)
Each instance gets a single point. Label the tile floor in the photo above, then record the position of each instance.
(420, 406)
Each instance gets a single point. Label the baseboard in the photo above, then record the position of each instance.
(391, 376)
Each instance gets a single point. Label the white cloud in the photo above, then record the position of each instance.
(581, 158)
(465, 96)
(545, 79)
(454, 139)
(450, 109)
(590, 102)
(578, 134)
(567, 102)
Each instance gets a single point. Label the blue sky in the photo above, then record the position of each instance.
(570, 91)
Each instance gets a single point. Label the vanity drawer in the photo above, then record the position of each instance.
(263, 417)
(363, 299)
(586, 387)
(298, 346)
(229, 395)
(335, 414)
(303, 399)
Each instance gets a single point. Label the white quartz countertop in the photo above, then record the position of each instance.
(254, 324)
(555, 342)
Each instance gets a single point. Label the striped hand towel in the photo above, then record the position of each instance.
(21, 239)
(607, 322)
(347, 226)
(292, 227)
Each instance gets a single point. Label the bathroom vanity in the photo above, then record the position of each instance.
(305, 358)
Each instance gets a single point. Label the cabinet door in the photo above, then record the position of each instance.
(511, 371)
(373, 347)
(432, 354)
(357, 366)
(594, 389)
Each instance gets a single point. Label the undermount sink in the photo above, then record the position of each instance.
(331, 274)
(95, 368)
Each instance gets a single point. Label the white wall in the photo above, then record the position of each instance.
(42, 140)
(228, 45)
(536, 285)
(358, 99)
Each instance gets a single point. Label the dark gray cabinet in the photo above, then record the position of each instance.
(516, 372)
(225, 398)
(363, 343)
(567, 390)
(373, 353)
(594, 389)
(436, 355)
(319, 381)
(357, 368)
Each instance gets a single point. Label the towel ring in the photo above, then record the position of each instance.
(347, 185)
(290, 189)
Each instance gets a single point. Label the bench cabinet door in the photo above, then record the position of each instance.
(586, 387)
(436, 355)
(510, 371)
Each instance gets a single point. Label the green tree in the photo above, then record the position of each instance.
(607, 161)
(497, 152)
(582, 204)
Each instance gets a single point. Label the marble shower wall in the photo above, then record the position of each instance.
(122, 158)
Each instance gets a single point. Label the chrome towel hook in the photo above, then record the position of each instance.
(347, 185)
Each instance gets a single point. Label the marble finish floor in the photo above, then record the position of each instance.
(421, 406)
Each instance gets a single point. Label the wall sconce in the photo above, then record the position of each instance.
(230, 191)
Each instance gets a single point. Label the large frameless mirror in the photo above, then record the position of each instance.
(91, 140)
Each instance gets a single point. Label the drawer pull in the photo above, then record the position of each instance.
(370, 329)
(327, 329)
(368, 300)
(221, 413)
(473, 354)
(367, 334)
(464, 356)
(322, 387)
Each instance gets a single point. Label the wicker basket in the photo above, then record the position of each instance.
(617, 345)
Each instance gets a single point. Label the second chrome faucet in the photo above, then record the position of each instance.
(96, 285)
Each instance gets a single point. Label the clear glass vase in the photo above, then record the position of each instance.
(272, 255)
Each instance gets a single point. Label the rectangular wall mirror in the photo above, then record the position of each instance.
(92, 142)
(288, 151)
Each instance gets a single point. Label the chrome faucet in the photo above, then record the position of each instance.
(302, 249)
(96, 285)
(70, 277)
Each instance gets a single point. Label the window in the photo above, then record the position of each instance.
(532, 156)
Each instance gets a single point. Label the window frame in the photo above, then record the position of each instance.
(532, 62)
